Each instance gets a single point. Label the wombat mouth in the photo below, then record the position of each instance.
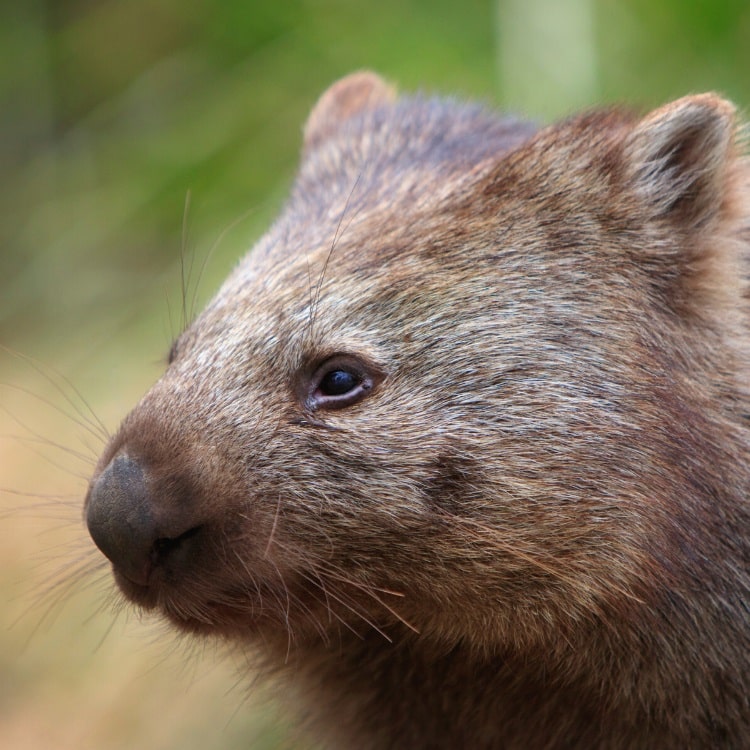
(191, 613)
(208, 605)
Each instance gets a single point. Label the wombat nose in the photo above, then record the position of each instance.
(121, 520)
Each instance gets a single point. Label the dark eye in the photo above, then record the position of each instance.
(338, 383)
(341, 381)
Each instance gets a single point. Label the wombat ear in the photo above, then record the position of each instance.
(349, 96)
(677, 158)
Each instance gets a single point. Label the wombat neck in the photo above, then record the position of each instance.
(378, 695)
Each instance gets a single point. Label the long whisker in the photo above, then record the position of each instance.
(80, 421)
(183, 279)
(92, 424)
(340, 599)
(60, 467)
(371, 593)
(207, 257)
(36, 439)
(338, 233)
(273, 527)
(322, 569)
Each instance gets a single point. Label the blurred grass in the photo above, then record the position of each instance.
(112, 113)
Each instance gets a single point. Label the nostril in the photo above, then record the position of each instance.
(167, 549)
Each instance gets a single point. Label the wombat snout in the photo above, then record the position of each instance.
(123, 520)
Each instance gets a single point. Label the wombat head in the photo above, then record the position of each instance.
(467, 381)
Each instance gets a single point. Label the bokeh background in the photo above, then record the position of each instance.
(144, 143)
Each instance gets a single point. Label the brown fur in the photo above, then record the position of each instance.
(530, 529)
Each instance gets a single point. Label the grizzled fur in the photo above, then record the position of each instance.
(530, 526)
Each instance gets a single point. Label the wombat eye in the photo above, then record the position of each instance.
(340, 381)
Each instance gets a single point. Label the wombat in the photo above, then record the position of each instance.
(463, 443)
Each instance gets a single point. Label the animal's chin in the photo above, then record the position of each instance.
(189, 613)
(271, 610)
(233, 613)
(215, 620)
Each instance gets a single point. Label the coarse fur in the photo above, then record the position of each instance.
(526, 524)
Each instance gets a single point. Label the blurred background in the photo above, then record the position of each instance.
(147, 142)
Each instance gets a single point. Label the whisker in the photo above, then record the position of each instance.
(336, 237)
(79, 421)
(341, 598)
(93, 424)
(183, 243)
(351, 608)
(207, 257)
(273, 527)
(34, 438)
(64, 469)
(370, 592)
(53, 596)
